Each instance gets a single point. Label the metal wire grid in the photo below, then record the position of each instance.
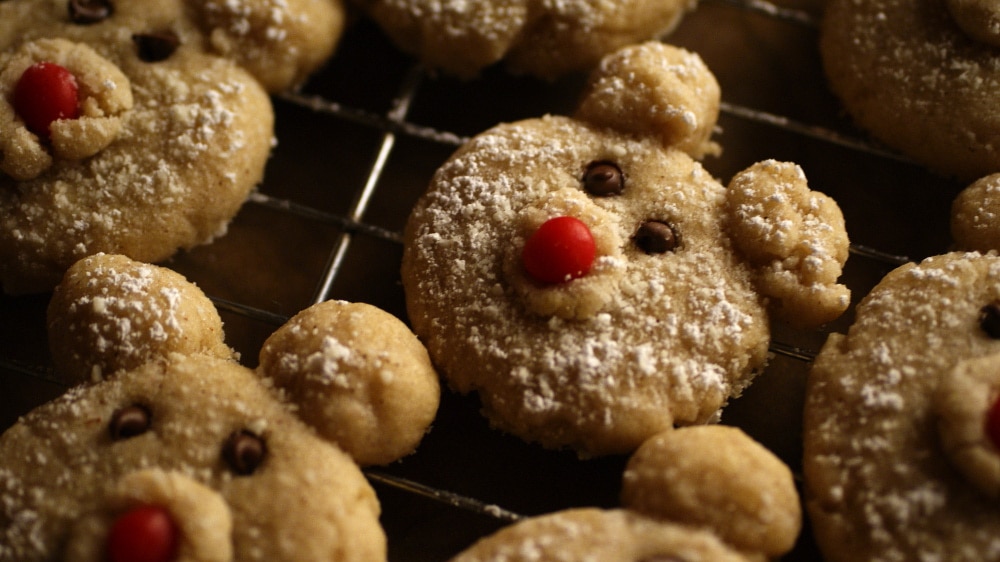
(394, 127)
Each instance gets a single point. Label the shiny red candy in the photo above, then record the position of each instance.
(560, 250)
(45, 93)
(993, 423)
(144, 534)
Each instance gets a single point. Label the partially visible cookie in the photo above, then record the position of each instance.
(698, 494)
(545, 39)
(139, 128)
(921, 76)
(902, 425)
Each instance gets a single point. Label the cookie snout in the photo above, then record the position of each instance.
(156, 516)
(567, 259)
(562, 249)
(145, 532)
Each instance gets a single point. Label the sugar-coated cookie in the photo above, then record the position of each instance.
(698, 494)
(902, 423)
(138, 128)
(921, 76)
(191, 456)
(545, 39)
(593, 283)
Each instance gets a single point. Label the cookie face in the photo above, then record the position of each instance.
(898, 430)
(166, 133)
(583, 280)
(921, 76)
(605, 360)
(545, 39)
(203, 440)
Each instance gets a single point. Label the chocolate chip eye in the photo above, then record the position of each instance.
(656, 237)
(86, 12)
(129, 422)
(156, 47)
(989, 320)
(603, 179)
(243, 452)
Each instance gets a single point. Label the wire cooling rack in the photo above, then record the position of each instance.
(356, 147)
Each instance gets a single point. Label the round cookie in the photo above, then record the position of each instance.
(899, 461)
(670, 318)
(235, 464)
(686, 497)
(921, 76)
(545, 39)
(169, 132)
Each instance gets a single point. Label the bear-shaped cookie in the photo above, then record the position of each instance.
(920, 76)
(138, 128)
(191, 456)
(593, 283)
(544, 39)
(902, 422)
(698, 494)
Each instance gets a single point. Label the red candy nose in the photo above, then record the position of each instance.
(993, 423)
(144, 534)
(560, 250)
(45, 93)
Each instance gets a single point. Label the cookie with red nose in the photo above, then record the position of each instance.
(171, 450)
(901, 451)
(139, 128)
(592, 283)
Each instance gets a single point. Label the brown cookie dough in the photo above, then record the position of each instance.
(670, 318)
(921, 76)
(897, 462)
(699, 494)
(545, 39)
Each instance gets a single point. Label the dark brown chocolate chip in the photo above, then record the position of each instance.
(989, 320)
(156, 47)
(129, 422)
(603, 179)
(655, 237)
(243, 452)
(86, 12)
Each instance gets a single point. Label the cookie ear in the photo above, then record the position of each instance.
(794, 239)
(974, 212)
(358, 375)
(716, 477)
(979, 19)
(111, 313)
(658, 90)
